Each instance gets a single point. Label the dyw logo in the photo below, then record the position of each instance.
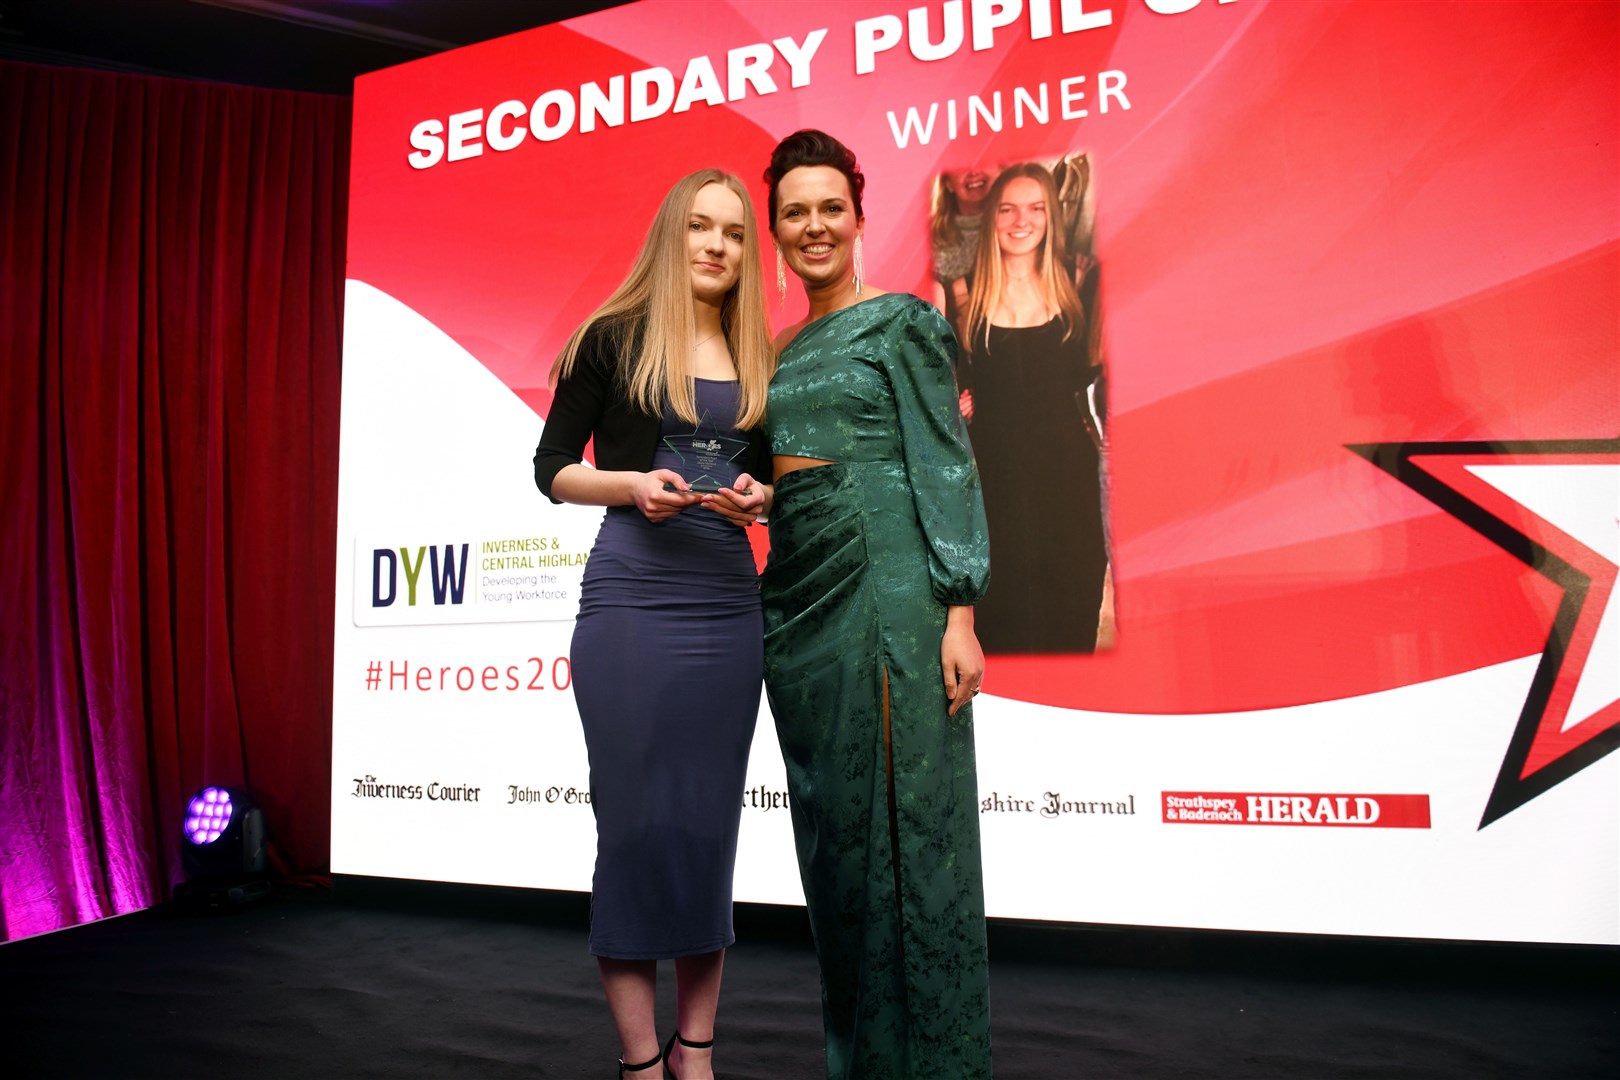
(448, 578)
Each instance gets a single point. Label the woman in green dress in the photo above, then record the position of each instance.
(878, 552)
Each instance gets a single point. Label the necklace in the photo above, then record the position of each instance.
(705, 341)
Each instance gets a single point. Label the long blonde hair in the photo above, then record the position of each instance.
(989, 276)
(942, 210)
(655, 300)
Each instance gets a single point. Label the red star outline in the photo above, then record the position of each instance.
(1540, 755)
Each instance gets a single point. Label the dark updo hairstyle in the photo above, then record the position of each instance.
(812, 147)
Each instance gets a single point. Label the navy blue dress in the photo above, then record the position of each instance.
(668, 666)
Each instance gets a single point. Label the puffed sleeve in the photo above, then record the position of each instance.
(920, 363)
(576, 408)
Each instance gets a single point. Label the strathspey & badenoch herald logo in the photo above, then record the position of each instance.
(1295, 808)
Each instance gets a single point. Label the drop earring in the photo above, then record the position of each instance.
(781, 275)
(860, 266)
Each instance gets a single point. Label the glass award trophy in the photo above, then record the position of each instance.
(706, 459)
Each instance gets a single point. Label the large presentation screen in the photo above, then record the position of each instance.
(1302, 611)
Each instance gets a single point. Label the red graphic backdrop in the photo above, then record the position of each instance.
(1320, 225)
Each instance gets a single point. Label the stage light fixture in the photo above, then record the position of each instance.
(222, 850)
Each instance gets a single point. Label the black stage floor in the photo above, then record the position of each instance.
(406, 979)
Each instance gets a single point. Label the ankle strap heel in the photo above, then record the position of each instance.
(684, 1041)
(643, 1067)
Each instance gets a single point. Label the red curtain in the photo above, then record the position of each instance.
(171, 312)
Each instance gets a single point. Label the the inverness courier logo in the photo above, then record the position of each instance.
(1296, 808)
(369, 787)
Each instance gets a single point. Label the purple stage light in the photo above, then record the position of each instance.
(224, 854)
(210, 813)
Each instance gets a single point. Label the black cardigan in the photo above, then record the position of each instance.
(593, 403)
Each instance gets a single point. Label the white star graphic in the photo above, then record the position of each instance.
(1583, 502)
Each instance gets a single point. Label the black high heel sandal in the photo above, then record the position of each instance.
(669, 1046)
(623, 1068)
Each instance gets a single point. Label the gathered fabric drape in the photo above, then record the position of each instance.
(171, 318)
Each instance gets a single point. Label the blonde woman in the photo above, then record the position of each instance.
(669, 378)
(1025, 387)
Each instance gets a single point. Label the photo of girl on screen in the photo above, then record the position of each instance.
(1034, 396)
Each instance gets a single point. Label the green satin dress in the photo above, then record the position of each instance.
(866, 554)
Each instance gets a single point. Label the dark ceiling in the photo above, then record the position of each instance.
(317, 45)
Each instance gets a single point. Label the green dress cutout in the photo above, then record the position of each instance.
(866, 555)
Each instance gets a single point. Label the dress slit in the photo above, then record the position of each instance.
(894, 821)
